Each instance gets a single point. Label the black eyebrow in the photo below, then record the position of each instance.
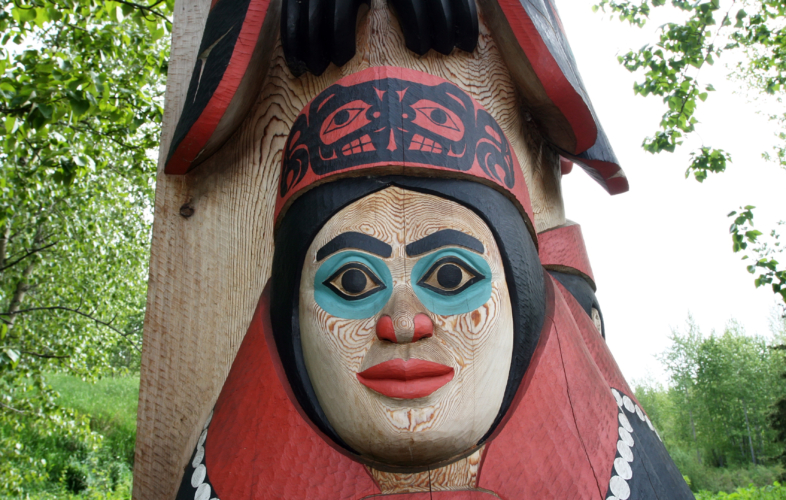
(360, 241)
(443, 238)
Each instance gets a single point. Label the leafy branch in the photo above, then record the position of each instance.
(77, 311)
(765, 267)
(759, 37)
(144, 8)
(28, 254)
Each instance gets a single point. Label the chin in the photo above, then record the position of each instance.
(416, 451)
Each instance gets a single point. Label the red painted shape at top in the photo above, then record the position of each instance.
(558, 89)
(392, 142)
(197, 137)
(424, 327)
(385, 330)
(411, 379)
(564, 247)
(565, 166)
(611, 173)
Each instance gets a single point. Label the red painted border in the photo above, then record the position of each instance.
(564, 246)
(197, 137)
(558, 89)
(613, 176)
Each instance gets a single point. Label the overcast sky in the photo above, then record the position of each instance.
(663, 250)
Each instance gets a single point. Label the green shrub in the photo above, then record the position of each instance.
(75, 477)
(84, 452)
(774, 491)
(716, 479)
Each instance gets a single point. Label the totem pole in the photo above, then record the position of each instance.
(363, 283)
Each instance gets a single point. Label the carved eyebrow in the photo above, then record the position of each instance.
(444, 238)
(361, 241)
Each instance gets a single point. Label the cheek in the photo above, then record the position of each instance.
(344, 341)
(473, 334)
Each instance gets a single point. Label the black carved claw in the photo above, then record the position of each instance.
(315, 33)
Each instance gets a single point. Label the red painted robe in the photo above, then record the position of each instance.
(560, 439)
(574, 430)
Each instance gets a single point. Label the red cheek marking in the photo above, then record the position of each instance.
(385, 329)
(424, 327)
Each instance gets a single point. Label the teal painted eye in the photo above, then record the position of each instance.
(452, 281)
(354, 281)
(352, 285)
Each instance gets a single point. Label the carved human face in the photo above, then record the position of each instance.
(406, 327)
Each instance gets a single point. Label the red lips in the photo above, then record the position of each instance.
(411, 379)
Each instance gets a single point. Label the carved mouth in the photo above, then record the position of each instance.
(415, 378)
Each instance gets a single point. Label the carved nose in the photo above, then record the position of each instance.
(423, 328)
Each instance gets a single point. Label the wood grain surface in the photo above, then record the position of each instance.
(462, 474)
(207, 270)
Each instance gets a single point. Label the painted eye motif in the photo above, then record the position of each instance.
(438, 119)
(354, 281)
(450, 276)
(343, 121)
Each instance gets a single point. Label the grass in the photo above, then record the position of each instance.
(111, 404)
(91, 462)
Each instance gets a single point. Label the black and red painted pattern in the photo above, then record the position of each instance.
(397, 121)
(225, 54)
(231, 38)
(541, 36)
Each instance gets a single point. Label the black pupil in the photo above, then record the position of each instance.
(353, 281)
(449, 276)
(341, 117)
(439, 116)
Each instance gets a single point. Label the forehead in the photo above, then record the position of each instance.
(398, 216)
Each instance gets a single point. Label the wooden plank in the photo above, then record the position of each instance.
(207, 270)
(157, 432)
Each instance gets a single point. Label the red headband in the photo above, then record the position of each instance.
(395, 121)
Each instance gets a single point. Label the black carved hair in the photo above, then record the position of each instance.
(312, 210)
(315, 33)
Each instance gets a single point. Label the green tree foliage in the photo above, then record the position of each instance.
(714, 415)
(716, 409)
(81, 86)
(732, 371)
(778, 416)
(749, 33)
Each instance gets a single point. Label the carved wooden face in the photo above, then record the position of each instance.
(406, 326)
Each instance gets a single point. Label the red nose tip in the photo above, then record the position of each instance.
(424, 328)
(385, 329)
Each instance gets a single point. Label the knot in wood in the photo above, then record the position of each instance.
(187, 210)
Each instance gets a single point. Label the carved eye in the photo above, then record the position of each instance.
(450, 276)
(343, 121)
(354, 281)
(438, 119)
